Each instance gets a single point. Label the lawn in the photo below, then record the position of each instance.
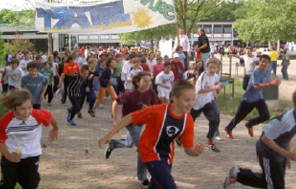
(228, 104)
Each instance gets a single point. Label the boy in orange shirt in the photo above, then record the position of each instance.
(164, 124)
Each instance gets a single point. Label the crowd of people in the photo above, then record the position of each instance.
(165, 94)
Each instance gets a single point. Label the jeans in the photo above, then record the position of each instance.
(204, 58)
(161, 177)
(273, 66)
(134, 133)
(211, 111)
(92, 98)
(245, 108)
(186, 60)
(285, 71)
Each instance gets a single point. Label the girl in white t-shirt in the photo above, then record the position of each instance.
(164, 81)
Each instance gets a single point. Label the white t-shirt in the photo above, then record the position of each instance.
(23, 64)
(151, 64)
(128, 85)
(204, 81)
(249, 63)
(54, 69)
(125, 68)
(15, 77)
(165, 79)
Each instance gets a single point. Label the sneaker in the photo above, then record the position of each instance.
(212, 147)
(145, 183)
(101, 106)
(250, 130)
(79, 115)
(72, 122)
(228, 134)
(218, 138)
(232, 177)
(91, 113)
(68, 114)
(108, 151)
(179, 142)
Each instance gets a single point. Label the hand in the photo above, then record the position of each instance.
(103, 141)
(167, 87)
(288, 164)
(215, 96)
(291, 156)
(219, 86)
(87, 89)
(91, 76)
(14, 157)
(275, 82)
(53, 135)
(199, 149)
(59, 86)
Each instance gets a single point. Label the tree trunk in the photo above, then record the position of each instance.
(49, 43)
(152, 45)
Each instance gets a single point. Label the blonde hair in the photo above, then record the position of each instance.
(16, 98)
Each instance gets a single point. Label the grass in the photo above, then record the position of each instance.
(229, 105)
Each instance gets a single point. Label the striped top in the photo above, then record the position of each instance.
(76, 85)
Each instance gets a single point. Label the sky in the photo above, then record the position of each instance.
(15, 4)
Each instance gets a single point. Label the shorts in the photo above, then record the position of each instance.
(164, 93)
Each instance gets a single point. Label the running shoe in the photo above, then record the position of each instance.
(79, 115)
(218, 138)
(212, 147)
(72, 122)
(228, 134)
(250, 130)
(101, 106)
(68, 114)
(108, 151)
(145, 183)
(232, 177)
(91, 113)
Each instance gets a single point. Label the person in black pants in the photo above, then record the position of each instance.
(274, 154)
(253, 98)
(77, 82)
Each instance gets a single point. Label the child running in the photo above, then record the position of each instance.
(48, 73)
(164, 81)
(164, 124)
(274, 153)
(253, 98)
(142, 97)
(20, 135)
(206, 85)
(14, 75)
(134, 70)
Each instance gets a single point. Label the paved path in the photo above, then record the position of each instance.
(75, 162)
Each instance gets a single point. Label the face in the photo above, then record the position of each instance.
(33, 72)
(212, 68)
(136, 64)
(199, 64)
(166, 59)
(27, 56)
(47, 66)
(167, 69)
(40, 60)
(264, 64)
(113, 64)
(118, 59)
(145, 83)
(14, 65)
(181, 31)
(185, 101)
(84, 73)
(159, 61)
(24, 111)
(248, 51)
(91, 65)
(151, 56)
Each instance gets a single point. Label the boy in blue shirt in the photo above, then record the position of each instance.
(253, 98)
(36, 83)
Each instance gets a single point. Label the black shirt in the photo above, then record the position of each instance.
(203, 39)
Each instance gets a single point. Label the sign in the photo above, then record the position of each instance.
(106, 17)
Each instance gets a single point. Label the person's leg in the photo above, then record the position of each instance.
(11, 88)
(50, 93)
(160, 175)
(29, 177)
(273, 66)
(204, 58)
(75, 106)
(277, 174)
(55, 83)
(195, 113)
(9, 172)
(263, 113)
(186, 60)
(92, 99)
(112, 92)
(212, 114)
(243, 110)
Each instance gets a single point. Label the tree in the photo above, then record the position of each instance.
(18, 44)
(2, 51)
(267, 21)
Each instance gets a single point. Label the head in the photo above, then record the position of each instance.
(135, 62)
(264, 62)
(47, 65)
(27, 55)
(176, 57)
(14, 63)
(39, 59)
(91, 63)
(50, 58)
(84, 71)
(118, 57)
(32, 68)
(71, 59)
(158, 60)
(166, 59)
(151, 55)
(199, 63)
(142, 81)
(180, 31)
(248, 51)
(213, 65)
(110, 63)
(76, 54)
(167, 68)
(183, 94)
(179, 49)
(143, 60)
(200, 31)
(55, 54)
(20, 101)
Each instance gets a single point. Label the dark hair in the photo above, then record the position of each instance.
(143, 60)
(47, 62)
(179, 47)
(166, 64)
(137, 78)
(265, 56)
(26, 52)
(181, 85)
(15, 61)
(91, 61)
(16, 98)
(109, 60)
(84, 67)
(32, 64)
(55, 53)
(132, 55)
(71, 57)
(38, 57)
(118, 55)
(294, 99)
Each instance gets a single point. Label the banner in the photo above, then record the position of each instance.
(106, 17)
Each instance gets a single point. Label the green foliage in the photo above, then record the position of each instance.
(18, 44)
(267, 20)
(24, 18)
(231, 108)
(2, 52)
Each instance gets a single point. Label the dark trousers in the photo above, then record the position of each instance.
(186, 60)
(245, 108)
(11, 88)
(119, 87)
(4, 88)
(37, 106)
(285, 71)
(25, 173)
(246, 80)
(49, 93)
(76, 106)
(55, 83)
(161, 177)
(91, 98)
(272, 176)
(211, 111)
(64, 95)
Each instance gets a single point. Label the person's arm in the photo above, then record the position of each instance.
(275, 147)
(127, 120)
(53, 134)
(61, 80)
(196, 151)
(14, 157)
(114, 112)
(211, 89)
(43, 90)
(264, 85)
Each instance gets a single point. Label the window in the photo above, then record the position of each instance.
(218, 29)
(104, 37)
(208, 29)
(227, 29)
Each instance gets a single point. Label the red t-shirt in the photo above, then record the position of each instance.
(145, 67)
(177, 68)
(71, 68)
(162, 128)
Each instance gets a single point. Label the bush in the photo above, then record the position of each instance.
(18, 44)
